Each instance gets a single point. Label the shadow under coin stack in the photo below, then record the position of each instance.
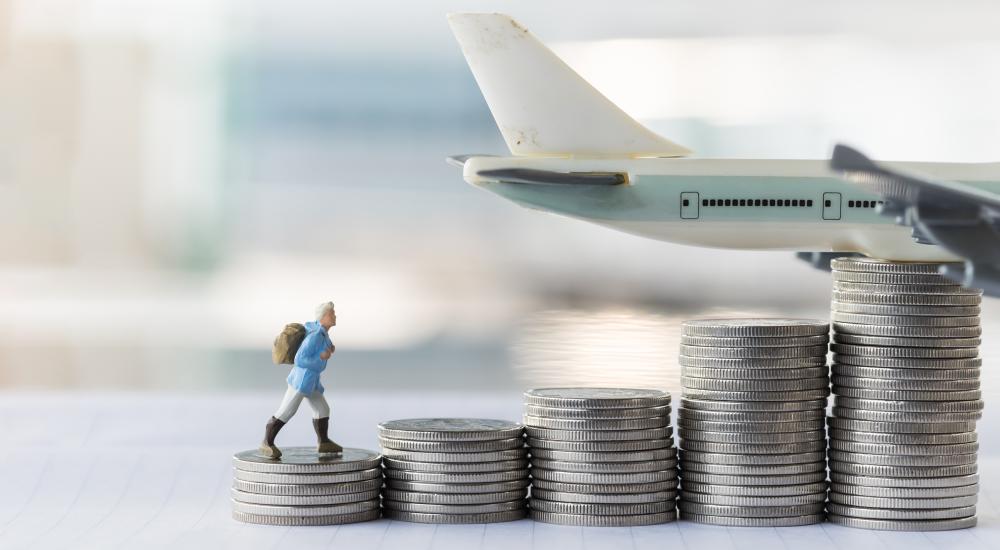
(454, 470)
(751, 421)
(601, 457)
(306, 488)
(906, 383)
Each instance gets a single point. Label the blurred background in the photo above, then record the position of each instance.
(180, 179)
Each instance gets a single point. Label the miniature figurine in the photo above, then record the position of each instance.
(303, 381)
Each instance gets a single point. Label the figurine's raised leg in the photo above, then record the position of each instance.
(267, 448)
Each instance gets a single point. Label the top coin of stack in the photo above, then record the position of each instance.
(601, 456)
(906, 384)
(454, 470)
(751, 421)
(306, 488)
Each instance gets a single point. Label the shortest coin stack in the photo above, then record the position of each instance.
(454, 470)
(601, 457)
(306, 488)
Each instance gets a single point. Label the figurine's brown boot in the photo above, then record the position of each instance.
(322, 425)
(267, 448)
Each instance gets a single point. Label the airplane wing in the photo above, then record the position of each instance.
(961, 218)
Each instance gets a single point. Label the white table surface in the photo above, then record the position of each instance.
(152, 471)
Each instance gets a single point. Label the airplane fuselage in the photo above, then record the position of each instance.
(732, 203)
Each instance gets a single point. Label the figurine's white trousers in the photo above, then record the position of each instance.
(293, 398)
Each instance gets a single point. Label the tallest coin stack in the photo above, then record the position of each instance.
(906, 383)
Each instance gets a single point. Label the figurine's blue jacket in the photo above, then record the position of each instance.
(308, 364)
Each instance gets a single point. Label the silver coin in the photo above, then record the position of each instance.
(459, 488)
(753, 385)
(753, 406)
(291, 521)
(907, 299)
(449, 429)
(903, 460)
(433, 477)
(905, 342)
(743, 364)
(721, 395)
(905, 395)
(754, 353)
(931, 277)
(595, 414)
(626, 498)
(929, 493)
(752, 470)
(605, 457)
(903, 503)
(603, 479)
(872, 265)
(604, 488)
(489, 456)
(900, 427)
(688, 507)
(302, 460)
(418, 517)
(688, 457)
(907, 374)
(596, 398)
(907, 363)
(601, 509)
(818, 445)
(456, 467)
(903, 320)
(904, 438)
(883, 288)
(751, 427)
(750, 501)
(311, 489)
(911, 385)
(754, 491)
(599, 435)
(904, 482)
(324, 510)
(883, 309)
(765, 416)
(302, 500)
(729, 521)
(755, 342)
(904, 450)
(603, 521)
(601, 446)
(297, 479)
(450, 446)
(755, 327)
(902, 471)
(751, 438)
(908, 353)
(597, 425)
(898, 416)
(756, 374)
(891, 525)
(909, 332)
(489, 508)
(903, 515)
(604, 467)
(454, 498)
(790, 479)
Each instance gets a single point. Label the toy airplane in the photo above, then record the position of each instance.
(577, 154)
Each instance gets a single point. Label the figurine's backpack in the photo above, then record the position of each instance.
(287, 344)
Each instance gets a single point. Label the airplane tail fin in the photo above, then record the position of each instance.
(541, 105)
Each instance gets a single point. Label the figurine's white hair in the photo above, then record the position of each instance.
(322, 309)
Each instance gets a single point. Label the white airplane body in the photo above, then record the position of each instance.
(577, 154)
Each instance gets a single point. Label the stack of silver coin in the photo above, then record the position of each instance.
(751, 421)
(306, 488)
(906, 382)
(454, 470)
(601, 456)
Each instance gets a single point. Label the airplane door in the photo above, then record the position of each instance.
(831, 206)
(689, 206)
